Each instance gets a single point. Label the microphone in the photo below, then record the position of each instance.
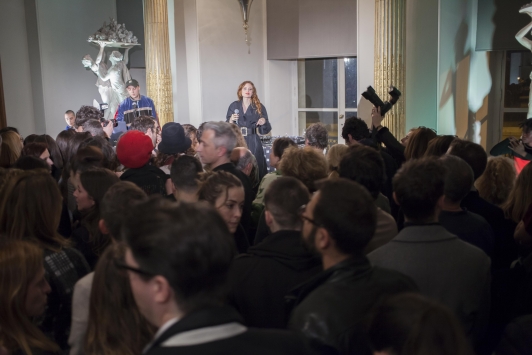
(236, 112)
(136, 107)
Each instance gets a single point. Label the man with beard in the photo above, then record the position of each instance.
(338, 223)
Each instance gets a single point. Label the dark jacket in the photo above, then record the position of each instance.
(393, 146)
(149, 178)
(331, 308)
(505, 250)
(261, 278)
(249, 120)
(470, 227)
(63, 270)
(245, 221)
(220, 331)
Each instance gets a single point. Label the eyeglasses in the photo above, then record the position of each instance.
(123, 266)
(300, 212)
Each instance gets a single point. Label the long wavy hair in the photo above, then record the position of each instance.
(30, 208)
(520, 196)
(115, 325)
(20, 262)
(255, 102)
(497, 181)
(96, 181)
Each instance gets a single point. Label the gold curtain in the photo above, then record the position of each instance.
(390, 40)
(157, 49)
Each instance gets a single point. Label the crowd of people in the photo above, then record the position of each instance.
(174, 240)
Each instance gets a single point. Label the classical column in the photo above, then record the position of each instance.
(158, 72)
(390, 40)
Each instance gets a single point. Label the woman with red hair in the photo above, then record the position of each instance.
(251, 116)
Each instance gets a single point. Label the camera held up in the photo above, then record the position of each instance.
(372, 97)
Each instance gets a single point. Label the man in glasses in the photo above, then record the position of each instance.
(177, 259)
(338, 223)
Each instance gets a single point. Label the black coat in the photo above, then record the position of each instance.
(223, 333)
(262, 278)
(505, 251)
(249, 120)
(148, 177)
(330, 309)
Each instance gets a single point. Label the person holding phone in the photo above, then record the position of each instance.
(519, 149)
(250, 115)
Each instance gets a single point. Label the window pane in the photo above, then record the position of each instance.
(510, 124)
(517, 85)
(318, 83)
(350, 82)
(329, 119)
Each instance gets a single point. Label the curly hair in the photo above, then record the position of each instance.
(255, 102)
(216, 183)
(86, 113)
(143, 123)
(418, 143)
(307, 165)
(520, 197)
(356, 127)
(495, 184)
(317, 136)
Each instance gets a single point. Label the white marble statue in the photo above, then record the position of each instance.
(111, 81)
(527, 43)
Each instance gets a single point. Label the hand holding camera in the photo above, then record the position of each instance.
(384, 107)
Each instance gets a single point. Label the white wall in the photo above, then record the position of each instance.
(64, 26)
(41, 44)
(16, 66)
(224, 58)
(211, 59)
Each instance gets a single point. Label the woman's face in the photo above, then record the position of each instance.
(230, 206)
(37, 295)
(247, 91)
(194, 141)
(46, 157)
(83, 199)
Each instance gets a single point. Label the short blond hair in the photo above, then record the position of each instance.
(305, 164)
(495, 184)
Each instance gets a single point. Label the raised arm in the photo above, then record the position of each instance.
(100, 54)
(520, 36)
(126, 56)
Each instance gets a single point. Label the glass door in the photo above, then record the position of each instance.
(327, 93)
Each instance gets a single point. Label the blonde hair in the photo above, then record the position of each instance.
(20, 262)
(495, 184)
(334, 156)
(306, 164)
(255, 102)
(11, 148)
(520, 196)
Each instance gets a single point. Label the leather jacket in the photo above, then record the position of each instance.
(331, 308)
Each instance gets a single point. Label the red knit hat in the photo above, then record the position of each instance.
(134, 149)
